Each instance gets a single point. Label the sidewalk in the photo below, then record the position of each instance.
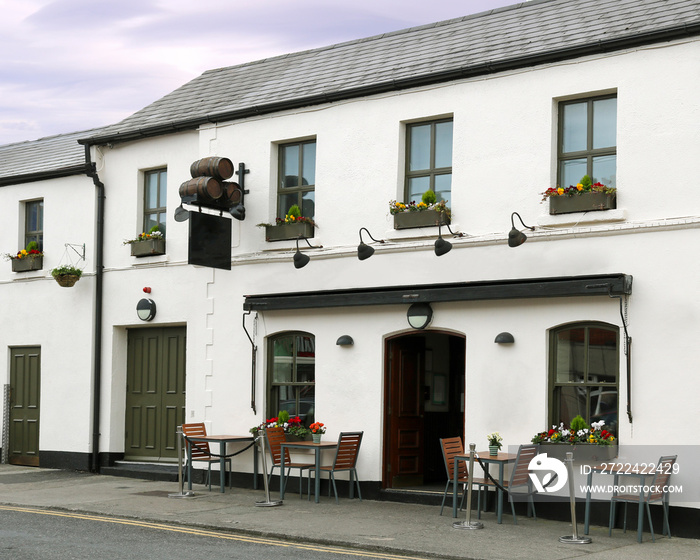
(410, 529)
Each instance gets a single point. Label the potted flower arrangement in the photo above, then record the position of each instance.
(495, 443)
(317, 429)
(426, 213)
(587, 442)
(66, 275)
(148, 244)
(30, 258)
(293, 426)
(292, 226)
(582, 197)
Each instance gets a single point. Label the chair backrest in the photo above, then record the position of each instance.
(662, 474)
(520, 476)
(348, 449)
(450, 448)
(200, 449)
(274, 437)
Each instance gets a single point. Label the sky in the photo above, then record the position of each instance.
(72, 65)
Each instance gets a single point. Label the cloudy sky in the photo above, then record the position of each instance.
(71, 65)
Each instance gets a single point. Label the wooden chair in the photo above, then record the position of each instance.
(345, 460)
(450, 448)
(656, 493)
(275, 436)
(200, 450)
(520, 482)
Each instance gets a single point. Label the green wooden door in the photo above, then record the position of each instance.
(25, 386)
(155, 393)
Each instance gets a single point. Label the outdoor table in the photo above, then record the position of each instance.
(317, 447)
(222, 440)
(501, 459)
(609, 469)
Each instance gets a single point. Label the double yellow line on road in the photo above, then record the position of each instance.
(212, 534)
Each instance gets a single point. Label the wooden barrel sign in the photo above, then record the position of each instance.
(207, 189)
(220, 168)
(231, 193)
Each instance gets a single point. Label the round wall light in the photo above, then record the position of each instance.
(146, 309)
(419, 315)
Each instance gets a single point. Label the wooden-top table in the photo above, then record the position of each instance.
(501, 459)
(317, 447)
(222, 440)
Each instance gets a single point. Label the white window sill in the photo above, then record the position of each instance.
(419, 233)
(583, 218)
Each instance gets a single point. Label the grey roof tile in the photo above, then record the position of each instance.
(490, 38)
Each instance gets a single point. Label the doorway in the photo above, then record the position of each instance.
(155, 393)
(424, 377)
(25, 388)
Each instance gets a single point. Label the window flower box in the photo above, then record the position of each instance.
(289, 230)
(421, 214)
(148, 247)
(27, 263)
(585, 202)
(582, 197)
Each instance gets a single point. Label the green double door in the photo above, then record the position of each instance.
(155, 393)
(25, 388)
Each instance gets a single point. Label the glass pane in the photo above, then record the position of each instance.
(416, 187)
(572, 402)
(605, 170)
(309, 164)
(286, 201)
(419, 158)
(602, 356)
(570, 356)
(571, 172)
(283, 360)
(151, 191)
(150, 221)
(443, 187)
(604, 407)
(306, 357)
(162, 217)
(308, 204)
(605, 123)
(443, 144)
(290, 166)
(307, 404)
(162, 189)
(574, 127)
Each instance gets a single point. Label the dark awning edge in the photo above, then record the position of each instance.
(563, 286)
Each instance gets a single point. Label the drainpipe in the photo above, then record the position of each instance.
(91, 171)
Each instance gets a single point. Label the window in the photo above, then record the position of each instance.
(584, 365)
(292, 375)
(587, 141)
(34, 223)
(155, 192)
(429, 160)
(297, 178)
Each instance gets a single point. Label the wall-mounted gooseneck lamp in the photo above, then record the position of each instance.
(443, 247)
(419, 315)
(300, 259)
(517, 237)
(364, 251)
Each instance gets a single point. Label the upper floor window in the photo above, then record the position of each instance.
(155, 192)
(297, 178)
(34, 223)
(584, 365)
(429, 160)
(292, 375)
(588, 141)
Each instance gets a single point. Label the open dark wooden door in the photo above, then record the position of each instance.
(403, 457)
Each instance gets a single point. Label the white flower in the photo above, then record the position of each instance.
(598, 425)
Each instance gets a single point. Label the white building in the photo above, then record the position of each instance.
(488, 111)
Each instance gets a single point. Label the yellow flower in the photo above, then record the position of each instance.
(579, 187)
(560, 190)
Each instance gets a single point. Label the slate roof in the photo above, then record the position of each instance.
(520, 35)
(53, 156)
